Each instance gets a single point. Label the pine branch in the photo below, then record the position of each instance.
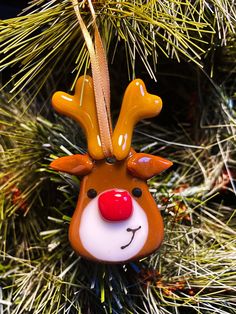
(46, 40)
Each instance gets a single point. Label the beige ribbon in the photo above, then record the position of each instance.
(101, 80)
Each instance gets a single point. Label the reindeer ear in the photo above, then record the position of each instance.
(79, 165)
(145, 166)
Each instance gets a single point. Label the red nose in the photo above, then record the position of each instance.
(115, 205)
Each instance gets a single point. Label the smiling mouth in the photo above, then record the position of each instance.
(133, 234)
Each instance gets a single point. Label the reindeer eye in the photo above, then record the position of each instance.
(137, 192)
(91, 193)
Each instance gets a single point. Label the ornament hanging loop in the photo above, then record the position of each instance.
(101, 81)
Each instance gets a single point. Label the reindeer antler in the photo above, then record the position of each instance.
(137, 104)
(81, 107)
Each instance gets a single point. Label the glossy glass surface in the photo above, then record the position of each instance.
(137, 104)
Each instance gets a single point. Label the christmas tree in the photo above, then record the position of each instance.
(185, 52)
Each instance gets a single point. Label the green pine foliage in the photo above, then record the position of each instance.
(195, 268)
(46, 40)
(194, 271)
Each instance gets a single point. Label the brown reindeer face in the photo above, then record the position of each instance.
(116, 218)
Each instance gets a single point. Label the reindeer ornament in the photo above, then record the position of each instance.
(116, 219)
